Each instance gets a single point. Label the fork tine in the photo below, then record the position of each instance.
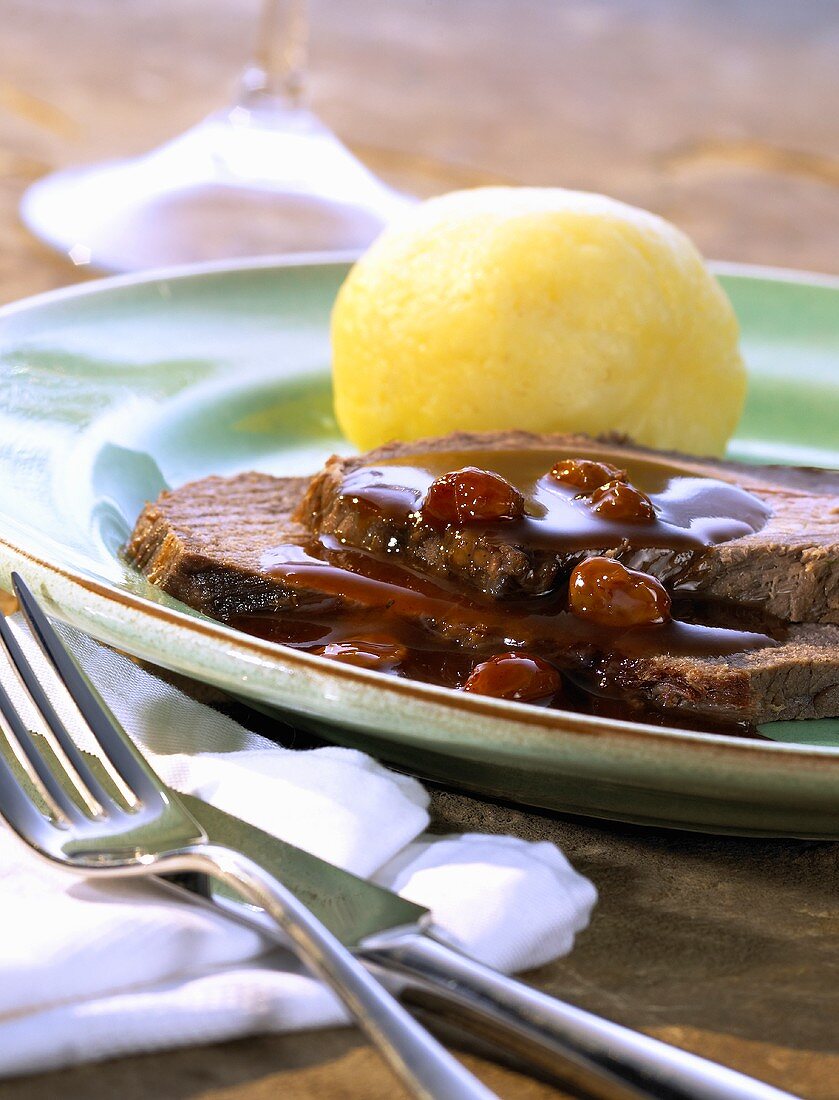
(18, 808)
(53, 722)
(114, 741)
(41, 768)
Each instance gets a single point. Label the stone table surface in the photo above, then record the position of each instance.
(718, 114)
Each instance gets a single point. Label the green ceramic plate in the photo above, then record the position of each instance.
(113, 389)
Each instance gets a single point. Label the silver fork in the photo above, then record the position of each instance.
(94, 833)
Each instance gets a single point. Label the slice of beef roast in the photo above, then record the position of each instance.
(204, 543)
(789, 568)
(797, 679)
(207, 544)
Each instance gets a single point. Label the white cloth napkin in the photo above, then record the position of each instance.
(92, 970)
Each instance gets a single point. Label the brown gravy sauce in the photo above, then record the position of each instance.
(691, 512)
(431, 631)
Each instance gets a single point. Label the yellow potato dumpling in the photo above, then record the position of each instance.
(535, 308)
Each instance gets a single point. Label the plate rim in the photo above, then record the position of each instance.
(283, 260)
(550, 721)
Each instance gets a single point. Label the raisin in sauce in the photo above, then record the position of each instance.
(374, 612)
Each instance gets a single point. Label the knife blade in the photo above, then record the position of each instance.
(395, 939)
(350, 907)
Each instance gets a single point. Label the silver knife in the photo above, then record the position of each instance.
(397, 941)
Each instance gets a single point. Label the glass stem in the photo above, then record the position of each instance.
(278, 70)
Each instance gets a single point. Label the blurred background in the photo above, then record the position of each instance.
(719, 114)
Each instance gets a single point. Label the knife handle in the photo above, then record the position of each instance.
(427, 1069)
(589, 1048)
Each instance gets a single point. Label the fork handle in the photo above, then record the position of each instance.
(424, 1066)
(431, 973)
